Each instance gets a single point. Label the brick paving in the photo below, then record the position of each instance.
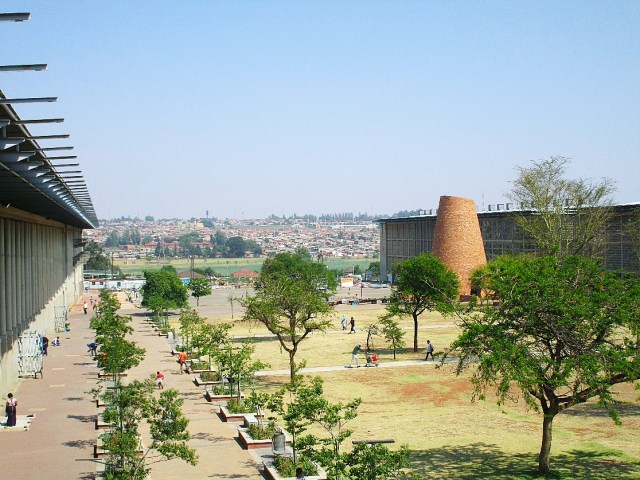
(59, 443)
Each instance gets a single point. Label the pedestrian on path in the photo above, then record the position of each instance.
(93, 348)
(344, 322)
(353, 325)
(10, 409)
(45, 346)
(354, 356)
(160, 380)
(85, 307)
(429, 350)
(182, 360)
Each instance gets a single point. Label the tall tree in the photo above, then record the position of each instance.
(291, 299)
(563, 331)
(237, 247)
(563, 216)
(422, 283)
(163, 287)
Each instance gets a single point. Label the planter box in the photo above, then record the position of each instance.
(99, 425)
(211, 397)
(250, 444)
(109, 375)
(272, 473)
(199, 382)
(223, 411)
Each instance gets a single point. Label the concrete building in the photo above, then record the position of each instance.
(402, 238)
(43, 209)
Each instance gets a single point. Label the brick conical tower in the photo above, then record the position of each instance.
(457, 240)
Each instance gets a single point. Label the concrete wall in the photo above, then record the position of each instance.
(39, 269)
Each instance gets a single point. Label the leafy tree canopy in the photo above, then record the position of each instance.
(562, 331)
(291, 299)
(422, 283)
(568, 217)
(200, 287)
(163, 288)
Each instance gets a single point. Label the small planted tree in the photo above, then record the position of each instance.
(423, 283)
(237, 367)
(199, 287)
(377, 462)
(392, 333)
(190, 324)
(210, 339)
(131, 405)
(333, 418)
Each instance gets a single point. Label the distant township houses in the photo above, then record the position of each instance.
(327, 240)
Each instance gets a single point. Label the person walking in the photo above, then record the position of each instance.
(93, 349)
(160, 380)
(429, 350)
(182, 360)
(354, 356)
(353, 325)
(45, 346)
(85, 307)
(344, 322)
(10, 409)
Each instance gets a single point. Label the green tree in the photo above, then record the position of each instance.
(563, 331)
(374, 268)
(210, 339)
(392, 333)
(163, 288)
(333, 419)
(291, 300)
(97, 258)
(200, 287)
(236, 365)
(190, 325)
(563, 216)
(237, 247)
(377, 462)
(422, 283)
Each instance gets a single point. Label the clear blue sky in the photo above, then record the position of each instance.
(258, 107)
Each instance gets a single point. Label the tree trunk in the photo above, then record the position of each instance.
(415, 332)
(292, 363)
(545, 449)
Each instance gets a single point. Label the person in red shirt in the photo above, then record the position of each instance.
(160, 380)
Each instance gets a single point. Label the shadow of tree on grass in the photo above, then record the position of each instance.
(483, 461)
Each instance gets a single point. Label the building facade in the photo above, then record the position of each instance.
(402, 238)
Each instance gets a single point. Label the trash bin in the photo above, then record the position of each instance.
(278, 442)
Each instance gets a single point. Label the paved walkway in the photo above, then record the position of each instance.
(59, 442)
(220, 455)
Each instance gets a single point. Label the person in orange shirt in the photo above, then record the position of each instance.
(182, 359)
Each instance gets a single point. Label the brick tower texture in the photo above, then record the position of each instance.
(457, 240)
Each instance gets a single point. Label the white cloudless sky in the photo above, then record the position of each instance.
(251, 108)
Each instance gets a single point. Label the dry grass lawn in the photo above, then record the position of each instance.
(430, 408)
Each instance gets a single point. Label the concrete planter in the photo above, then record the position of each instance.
(273, 474)
(211, 397)
(249, 443)
(236, 417)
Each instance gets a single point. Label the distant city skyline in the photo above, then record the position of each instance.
(248, 109)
